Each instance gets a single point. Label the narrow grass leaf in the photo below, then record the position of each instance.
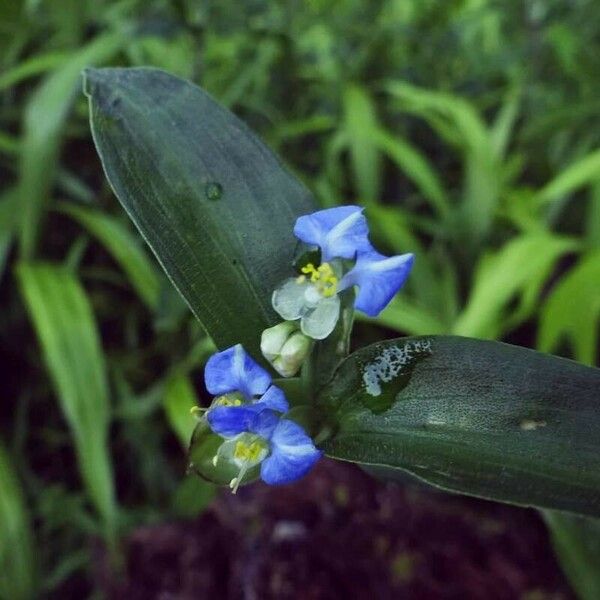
(416, 167)
(404, 316)
(43, 129)
(360, 125)
(67, 332)
(18, 575)
(571, 311)
(123, 246)
(500, 276)
(584, 171)
(576, 541)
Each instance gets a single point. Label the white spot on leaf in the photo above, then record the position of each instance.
(531, 424)
(390, 363)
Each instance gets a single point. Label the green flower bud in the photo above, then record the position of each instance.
(273, 339)
(285, 348)
(292, 355)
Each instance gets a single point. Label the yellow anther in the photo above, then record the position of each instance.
(324, 277)
(228, 400)
(247, 452)
(309, 269)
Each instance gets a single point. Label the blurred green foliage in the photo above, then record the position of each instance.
(470, 129)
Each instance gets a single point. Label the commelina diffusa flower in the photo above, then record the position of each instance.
(313, 297)
(259, 436)
(247, 414)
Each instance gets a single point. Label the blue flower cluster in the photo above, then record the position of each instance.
(248, 410)
(248, 413)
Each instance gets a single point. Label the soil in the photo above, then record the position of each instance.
(338, 533)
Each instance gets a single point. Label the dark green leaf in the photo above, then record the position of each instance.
(214, 204)
(472, 416)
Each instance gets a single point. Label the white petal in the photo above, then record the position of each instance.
(320, 322)
(288, 299)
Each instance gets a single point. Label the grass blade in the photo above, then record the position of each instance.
(576, 541)
(17, 559)
(124, 247)
(43, 129)
(360, 122)
(501, 276)
(583, 172)
(65, 325)
(572, 311)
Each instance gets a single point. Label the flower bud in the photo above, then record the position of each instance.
(273, 339)
(292, 354)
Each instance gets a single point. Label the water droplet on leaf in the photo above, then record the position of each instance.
(213, 190)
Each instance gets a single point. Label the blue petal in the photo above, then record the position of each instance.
(275, 399)
(379, 278)
(264, 422)
(228, 421)
(340, 232)
(292, 454)
(233, 370)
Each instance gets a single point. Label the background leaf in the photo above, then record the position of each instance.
(577, 543)
(572, 311)
(44, 119)
(18, 577)
(179, 399)
(472, 416)
(216, 207)
(124, 247)
(500, 276)
(67, 332)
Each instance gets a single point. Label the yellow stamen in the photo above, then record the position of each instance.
(247, 452)
(228, 400)
(324, 277)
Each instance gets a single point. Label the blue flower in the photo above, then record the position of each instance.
(379, 278)
(339, 232)
(282, 448)
(312, 298)
(237, 380)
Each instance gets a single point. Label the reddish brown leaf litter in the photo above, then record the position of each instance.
(339, 534)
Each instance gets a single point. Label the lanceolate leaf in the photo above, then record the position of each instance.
(214, 204)
(472, 416)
